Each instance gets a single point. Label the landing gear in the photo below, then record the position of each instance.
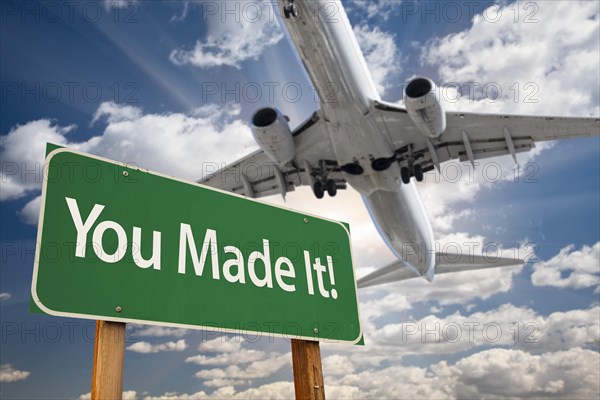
(418, 171)
(290, 10)
(331, 188)
(405, 175)
(325, 178)
(318, 190)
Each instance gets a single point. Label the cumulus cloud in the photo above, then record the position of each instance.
(571, 268)
(127, 395)
(505, 326)
(116, 112)
(501, 51)
(31, 212)
(255, 370)
(22, 153)
(243, 356)
(175, 142)
(275, 390)
(147, 348)
(494, 374)
(9, 374)
(337, 365)
(158, 331)
(500, 373)
(381, 54)
(234, 39)
(222, 344)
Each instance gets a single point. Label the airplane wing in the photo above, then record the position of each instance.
(471, 136)
(468, 137)
(256, 175)
(444, 263)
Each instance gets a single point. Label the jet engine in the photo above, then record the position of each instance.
(424, 108)
(273, 134)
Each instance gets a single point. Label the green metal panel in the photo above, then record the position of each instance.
(170, 291)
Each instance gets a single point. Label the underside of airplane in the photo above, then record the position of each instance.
(379, 148)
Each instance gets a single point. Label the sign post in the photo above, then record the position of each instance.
(308, 371)
(109, 349)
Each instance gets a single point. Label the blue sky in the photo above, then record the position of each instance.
(155, 83)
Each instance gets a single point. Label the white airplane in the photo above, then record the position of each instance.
(376, 147)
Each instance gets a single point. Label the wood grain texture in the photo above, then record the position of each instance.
(109, 348)
(308, 372)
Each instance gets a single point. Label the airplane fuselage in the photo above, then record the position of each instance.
(325, 41)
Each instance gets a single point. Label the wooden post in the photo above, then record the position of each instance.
(109, 348)
(308, 372)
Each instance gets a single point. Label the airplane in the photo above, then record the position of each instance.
(378, 148)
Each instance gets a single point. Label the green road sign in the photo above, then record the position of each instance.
(124, 244)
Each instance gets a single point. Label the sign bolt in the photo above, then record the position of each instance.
(316, 330)
(125, 173)
(118, 309)
(306, 220)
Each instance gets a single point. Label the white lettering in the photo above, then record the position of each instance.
(237, 262)
(141, 261)
(210, 241)
(121, 242)
(82, 227)
(265, 257)
(282, 273)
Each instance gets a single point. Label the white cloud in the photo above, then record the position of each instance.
(242, 356)
(381, 54)
(224, 383)
(573, 269)
(127, 395)
(22, 154)
(255, 370)
(275, 390)
(116, 112)
(505, 326)
(9, 374)
(146, 348)
(233, 39)
(158, 331)
(553, 62)
(222, 344)
(182, 15)
(31, 212)
(337, 365)
(493, 374)
(369, 9)
(168, 143)
(4, 296)
(110, 4)
(500, 373)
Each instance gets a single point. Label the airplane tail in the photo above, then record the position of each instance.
(444, 263)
